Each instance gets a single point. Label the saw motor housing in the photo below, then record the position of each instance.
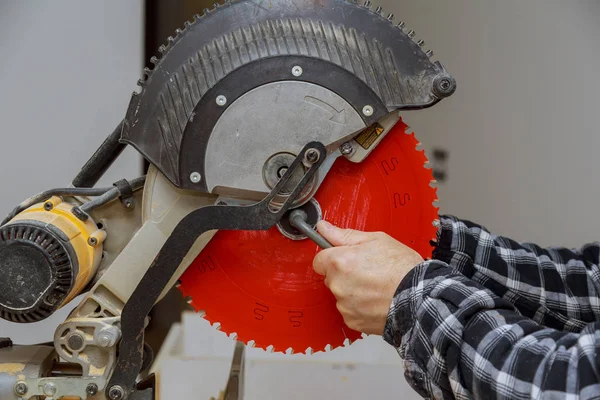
(48, 256)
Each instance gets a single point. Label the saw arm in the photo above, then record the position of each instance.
(253, 110)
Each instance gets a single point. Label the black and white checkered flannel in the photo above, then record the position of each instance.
(490, 318)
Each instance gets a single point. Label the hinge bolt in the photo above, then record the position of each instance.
(21, 388)
(347, 148)
(91, 389)
(116, 393)
(368, 110)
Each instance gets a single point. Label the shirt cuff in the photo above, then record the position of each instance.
(407, 300)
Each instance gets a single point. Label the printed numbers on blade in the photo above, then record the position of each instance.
(260, 311)
(389, 165)
(206, 264)
(295, 318)
(400, 200)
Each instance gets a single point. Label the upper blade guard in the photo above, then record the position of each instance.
(339, 37)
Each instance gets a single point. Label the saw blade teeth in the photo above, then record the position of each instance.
(233, 336)
(217, 326)
(141, 83)
(429, 53)
(367, 4)
(364, 335)
(251, 344)
(289, 351)
(420, 42)
(309, 351)
(153, 59)
(391, 17)
(411, 34)
(202, 313)
(270, 349)
(187, 24)
(206, 11)
(347, 342)
(197, 17)
(401, 25)
(437, 223)
(328, 348)
(433, 183)
(378, 10)
(171, 39)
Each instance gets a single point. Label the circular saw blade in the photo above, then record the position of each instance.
(261, 285)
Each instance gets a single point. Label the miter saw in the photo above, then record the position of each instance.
(255, 110)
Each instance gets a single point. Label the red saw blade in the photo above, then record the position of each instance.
(261, 285)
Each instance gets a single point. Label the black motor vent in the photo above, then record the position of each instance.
(38, 268)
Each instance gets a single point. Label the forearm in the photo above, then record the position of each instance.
(556, 287)
(460, 340)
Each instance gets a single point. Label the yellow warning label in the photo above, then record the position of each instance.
(369, 136)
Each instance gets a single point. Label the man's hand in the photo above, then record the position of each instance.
(363, 272)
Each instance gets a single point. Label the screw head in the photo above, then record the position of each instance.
(75, 341)
(91, 389)
(92, 241)
(195, 177)
(128, 204)
(48, 206)
(297, 71)
(444, 86)
(21, 388)
(368, 110)
(312, 156)
(347, 148)
(221, 100)
(49, 389)
(116, 393)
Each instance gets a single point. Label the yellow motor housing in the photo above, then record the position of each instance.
(47, 257)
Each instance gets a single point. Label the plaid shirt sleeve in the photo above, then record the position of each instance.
(488, 317)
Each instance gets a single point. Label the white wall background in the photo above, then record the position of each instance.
(522, 128)
(68, 70)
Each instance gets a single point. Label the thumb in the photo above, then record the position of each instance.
(342, 237)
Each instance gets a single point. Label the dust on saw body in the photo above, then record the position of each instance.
(47, 257)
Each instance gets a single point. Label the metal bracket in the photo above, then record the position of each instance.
(260, 216)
